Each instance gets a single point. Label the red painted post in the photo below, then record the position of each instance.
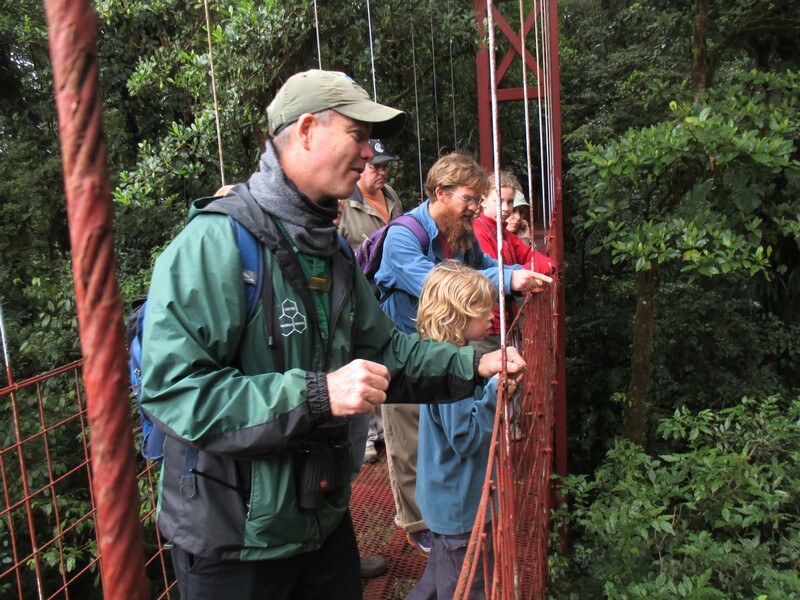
(558, 250)
(72, 27)
(484, 90)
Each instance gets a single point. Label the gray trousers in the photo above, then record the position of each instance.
(444, 567)
(400, 430)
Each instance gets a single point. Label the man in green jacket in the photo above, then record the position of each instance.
(252, 407)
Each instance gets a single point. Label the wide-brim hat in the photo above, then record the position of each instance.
(315, 90)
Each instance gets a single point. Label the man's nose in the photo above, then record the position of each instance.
(367, 153)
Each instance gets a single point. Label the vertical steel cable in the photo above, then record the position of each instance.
(529, 161)
(435, 88)
(548, 114)
(416, 106)
(496, 161)
(452, 77)
(6, 360)
(214, 93)
(371, 55)
(539, 22)
(72, 28)
(316, 28)
(507, 543)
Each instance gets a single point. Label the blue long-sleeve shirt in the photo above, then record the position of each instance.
(404, 267)
(453, 453)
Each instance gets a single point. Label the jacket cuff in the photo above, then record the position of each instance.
(476, 360)
(319, 404)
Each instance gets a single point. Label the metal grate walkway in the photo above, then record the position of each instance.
(372, 507)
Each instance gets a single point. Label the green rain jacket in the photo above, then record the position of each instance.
(209, 381)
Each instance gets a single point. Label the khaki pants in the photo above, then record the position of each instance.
(401, 429)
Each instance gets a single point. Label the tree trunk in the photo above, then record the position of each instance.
(641, 356)
(700, 61)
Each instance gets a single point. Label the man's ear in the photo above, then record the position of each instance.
(439, 193)
(305, 129)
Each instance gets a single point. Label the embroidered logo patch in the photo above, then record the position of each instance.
(291, 319)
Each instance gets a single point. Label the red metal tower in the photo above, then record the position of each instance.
(547, 88)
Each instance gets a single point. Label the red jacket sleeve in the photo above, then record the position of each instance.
(485, 237)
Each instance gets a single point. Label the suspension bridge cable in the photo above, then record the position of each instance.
(72, 36)
(496, 166)
(506, 502)
(6, 360)
(529, 162)
(435, 89)
(416, 106)
(316, 28)
(371, 55)
(214, 93)
(548, 115)
(452, 78)
(537, 22)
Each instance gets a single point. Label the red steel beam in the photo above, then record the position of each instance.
(482, 72)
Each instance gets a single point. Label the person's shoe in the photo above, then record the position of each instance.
(421, 541)
(372, 566)
(370, 455)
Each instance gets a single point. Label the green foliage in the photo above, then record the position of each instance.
(621, 64)
(716, 517)
(45, 335)
(711, 189)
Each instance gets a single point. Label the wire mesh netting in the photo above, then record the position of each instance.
(48, 545)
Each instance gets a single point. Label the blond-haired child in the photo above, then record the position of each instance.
(455, 306)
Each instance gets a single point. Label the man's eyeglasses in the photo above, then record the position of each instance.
(468, 200)
(380, 167)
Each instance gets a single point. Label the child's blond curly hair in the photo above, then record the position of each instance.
(452, 295)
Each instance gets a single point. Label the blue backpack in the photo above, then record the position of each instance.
(370, 252)
(253, 275)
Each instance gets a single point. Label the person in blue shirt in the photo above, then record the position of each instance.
(454, 187)
(455, 305)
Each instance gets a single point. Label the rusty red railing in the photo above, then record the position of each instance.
(516, 493)
(48, 538)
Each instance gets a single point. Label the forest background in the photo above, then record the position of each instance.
(682, 217)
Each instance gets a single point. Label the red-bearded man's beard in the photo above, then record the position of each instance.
(457, 231)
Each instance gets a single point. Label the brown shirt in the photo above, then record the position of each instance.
(377, 201)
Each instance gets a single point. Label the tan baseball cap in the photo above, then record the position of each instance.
(314, 90)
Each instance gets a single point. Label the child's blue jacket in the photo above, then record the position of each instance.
(453, 453)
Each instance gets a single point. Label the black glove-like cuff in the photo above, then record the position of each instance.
(475, 362)
(319, 404)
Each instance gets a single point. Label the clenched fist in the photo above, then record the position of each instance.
(357, 387)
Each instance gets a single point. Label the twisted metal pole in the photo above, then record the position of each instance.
(72, 27)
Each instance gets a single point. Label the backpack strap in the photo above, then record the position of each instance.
(252, 265)
(416, 228)
(412, 224)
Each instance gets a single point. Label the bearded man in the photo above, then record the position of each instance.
(454, 187)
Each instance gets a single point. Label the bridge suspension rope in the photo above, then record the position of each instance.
(214, 93)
